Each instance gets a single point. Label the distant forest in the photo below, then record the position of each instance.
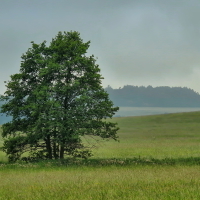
(140, 96)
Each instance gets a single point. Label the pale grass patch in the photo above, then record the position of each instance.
(142, 182)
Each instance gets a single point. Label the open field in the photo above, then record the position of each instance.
(158, 157)
(157, 136)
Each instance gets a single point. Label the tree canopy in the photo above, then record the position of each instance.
(54, 100)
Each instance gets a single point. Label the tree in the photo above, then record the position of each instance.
(54, 100)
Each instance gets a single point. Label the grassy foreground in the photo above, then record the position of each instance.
(158, 157)
(136, 182)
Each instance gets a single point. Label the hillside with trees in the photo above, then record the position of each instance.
(164, 96)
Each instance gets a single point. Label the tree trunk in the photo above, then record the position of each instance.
(55, 153)
(55, 147)
(48, 146)
(62, 152)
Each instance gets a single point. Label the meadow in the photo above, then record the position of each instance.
(157, 157)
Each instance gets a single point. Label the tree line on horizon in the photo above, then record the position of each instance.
(162, 96)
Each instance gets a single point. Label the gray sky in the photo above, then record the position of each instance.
(137, 42)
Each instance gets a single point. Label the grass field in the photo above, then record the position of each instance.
(158, 157)
(158, 136)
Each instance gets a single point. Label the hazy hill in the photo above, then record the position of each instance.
(134, 96)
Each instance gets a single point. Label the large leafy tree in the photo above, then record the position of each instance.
(55, 99)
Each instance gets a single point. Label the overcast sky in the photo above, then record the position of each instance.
(137, 42)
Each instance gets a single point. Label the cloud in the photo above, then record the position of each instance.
(137, 42)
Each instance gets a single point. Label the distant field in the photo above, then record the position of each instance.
(150, 139)
(157, 136)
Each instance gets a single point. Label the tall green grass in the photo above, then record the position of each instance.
(158, 157)
(147, 182)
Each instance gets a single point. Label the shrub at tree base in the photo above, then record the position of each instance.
(54, 100)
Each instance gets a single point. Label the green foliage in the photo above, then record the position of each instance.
(55, 99)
